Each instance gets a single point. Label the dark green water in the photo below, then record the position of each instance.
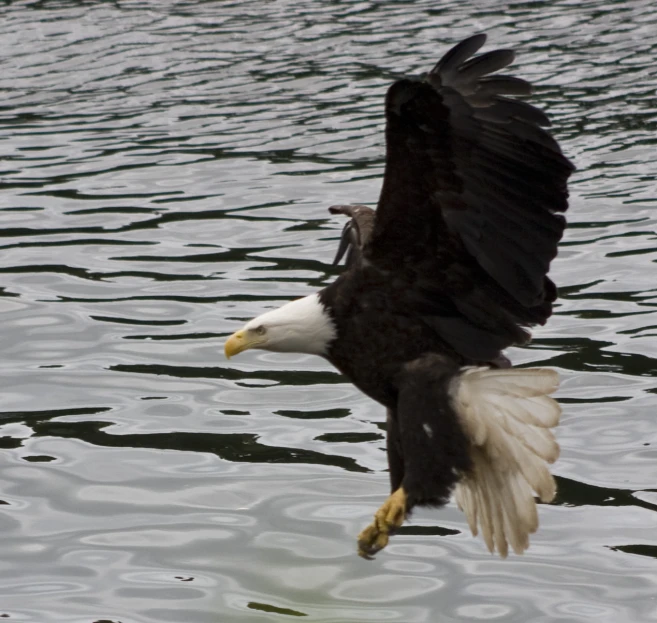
(165, 171)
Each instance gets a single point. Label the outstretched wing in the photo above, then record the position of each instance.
(469, 212)
(355, 234)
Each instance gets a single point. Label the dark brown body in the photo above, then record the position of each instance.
(377, 337)
(403, 364)
(452, 267)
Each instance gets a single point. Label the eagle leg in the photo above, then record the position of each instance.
(387, 519)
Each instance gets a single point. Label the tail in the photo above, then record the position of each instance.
(507, 415)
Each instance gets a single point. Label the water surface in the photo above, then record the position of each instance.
(166, 169)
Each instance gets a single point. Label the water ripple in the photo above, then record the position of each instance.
(166, 168)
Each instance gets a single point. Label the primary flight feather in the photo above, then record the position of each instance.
(449, 271)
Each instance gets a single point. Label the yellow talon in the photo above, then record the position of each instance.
(390, 516)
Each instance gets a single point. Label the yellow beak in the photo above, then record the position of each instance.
(236, 343)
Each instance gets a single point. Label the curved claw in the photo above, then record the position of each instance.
(387, 519)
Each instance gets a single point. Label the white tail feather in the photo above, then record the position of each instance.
(507, 415)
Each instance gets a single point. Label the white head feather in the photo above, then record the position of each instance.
(301, 326)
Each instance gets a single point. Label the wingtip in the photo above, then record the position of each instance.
(478, 39)
(459, 53)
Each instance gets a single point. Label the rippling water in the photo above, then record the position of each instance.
(166, 168)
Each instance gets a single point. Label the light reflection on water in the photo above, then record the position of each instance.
(166, 169)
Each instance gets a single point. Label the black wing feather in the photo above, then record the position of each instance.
(449, 64)
(469, 72)
(496, 85)
(474, 186)
(355, 233)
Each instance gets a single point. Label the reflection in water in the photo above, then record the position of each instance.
(230, 447)
(166, 169)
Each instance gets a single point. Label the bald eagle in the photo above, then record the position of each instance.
(449, 271)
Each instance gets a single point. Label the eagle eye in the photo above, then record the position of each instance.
(260, 330)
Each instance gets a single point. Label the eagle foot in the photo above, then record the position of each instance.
(387, 519)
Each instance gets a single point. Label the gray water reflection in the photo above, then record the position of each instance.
(166, 168)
